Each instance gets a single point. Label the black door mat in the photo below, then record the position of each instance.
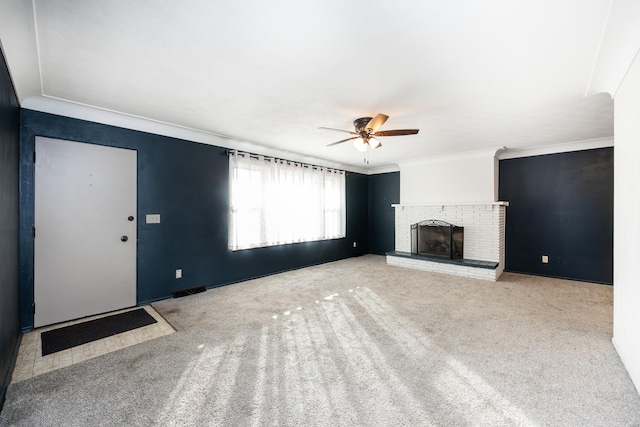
(93, 330)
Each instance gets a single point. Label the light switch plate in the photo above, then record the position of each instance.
(153, 219)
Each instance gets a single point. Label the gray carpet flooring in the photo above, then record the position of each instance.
(355, 342)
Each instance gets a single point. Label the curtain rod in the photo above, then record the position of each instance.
(289, 162)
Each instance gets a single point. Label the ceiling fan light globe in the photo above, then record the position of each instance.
(374, 143)
(359, 144)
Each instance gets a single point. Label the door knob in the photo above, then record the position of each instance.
(130, 218)
(124, 238)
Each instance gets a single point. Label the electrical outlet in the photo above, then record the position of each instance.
(153, 218)
(179, 273)
(355, 244)
(545, 259)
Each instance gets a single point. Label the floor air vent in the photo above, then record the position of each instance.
(190, 291)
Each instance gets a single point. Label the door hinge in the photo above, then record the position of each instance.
(34, 232)
(34, 308)
(34, 157)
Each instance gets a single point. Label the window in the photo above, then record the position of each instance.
(273, 202)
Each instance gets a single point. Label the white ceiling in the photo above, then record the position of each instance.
(470, 75)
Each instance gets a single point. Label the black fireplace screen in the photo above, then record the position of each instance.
(437, 238)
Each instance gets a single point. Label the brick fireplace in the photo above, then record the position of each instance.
(483, 238)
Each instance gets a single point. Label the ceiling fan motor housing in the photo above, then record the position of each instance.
(361, 123)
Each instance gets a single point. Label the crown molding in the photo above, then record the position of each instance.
(565, 147)
(62, 107)
(618, 49)
(383, 169)
(475, 154)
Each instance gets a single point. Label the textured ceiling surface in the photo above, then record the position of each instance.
(470, 75)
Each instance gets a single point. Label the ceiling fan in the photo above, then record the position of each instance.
(366, 132)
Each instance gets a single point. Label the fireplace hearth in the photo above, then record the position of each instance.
(483, 256)
(435, 238)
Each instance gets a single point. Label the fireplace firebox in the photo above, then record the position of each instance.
(437, 238)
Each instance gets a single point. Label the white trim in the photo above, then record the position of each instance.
(63, 107)
(37, 39)
(399, 205)
(624, 76)
(618, 48)
(595, 61)
(383, 169)
(487, 152)
(565, 147)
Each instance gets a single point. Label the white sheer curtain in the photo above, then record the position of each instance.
(273, 202)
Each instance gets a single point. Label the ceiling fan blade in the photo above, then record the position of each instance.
(339, 130)
(376, 122)
(341, 141)
(398, 132)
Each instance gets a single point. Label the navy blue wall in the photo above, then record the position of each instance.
(9, 142)
(357, 212)
(384, 190)
(560, 205)
(187, 183)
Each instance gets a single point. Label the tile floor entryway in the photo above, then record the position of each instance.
(31, 363)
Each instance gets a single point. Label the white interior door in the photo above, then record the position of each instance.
(85, 230)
